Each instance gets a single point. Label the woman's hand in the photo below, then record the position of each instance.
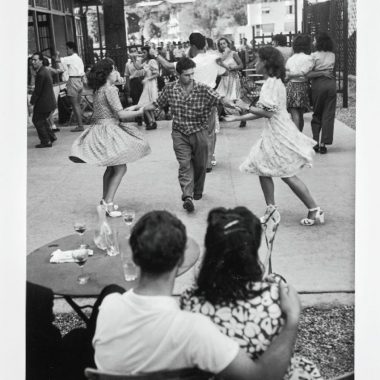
(242, 106)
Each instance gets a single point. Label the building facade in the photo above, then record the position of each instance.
(275, 16)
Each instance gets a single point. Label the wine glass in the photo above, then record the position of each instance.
(80, 257)
(128, 217)
(80, 229)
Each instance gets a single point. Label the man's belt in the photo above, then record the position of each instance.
(75, 76)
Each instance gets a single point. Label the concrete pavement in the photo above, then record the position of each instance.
(319, 258)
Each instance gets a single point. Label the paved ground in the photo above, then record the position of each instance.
(319, 258)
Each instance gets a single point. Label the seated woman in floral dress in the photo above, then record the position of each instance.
(231, 290)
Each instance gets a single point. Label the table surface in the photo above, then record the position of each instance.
(103, 269)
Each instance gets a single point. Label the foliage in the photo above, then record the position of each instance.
(216, 15)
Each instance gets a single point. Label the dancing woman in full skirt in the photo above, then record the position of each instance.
(108, 141)
(282, 151)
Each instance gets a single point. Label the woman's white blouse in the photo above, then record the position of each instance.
(323, 60)
(299, 64)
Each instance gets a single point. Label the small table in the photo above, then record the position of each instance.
(103, 269)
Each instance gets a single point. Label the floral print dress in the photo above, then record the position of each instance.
(252, 323)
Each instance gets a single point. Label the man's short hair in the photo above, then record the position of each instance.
(210, 43)
(184, 64)
(71, 45)
(280, 39)
(158, 242)
(40, 56)
(198, 40)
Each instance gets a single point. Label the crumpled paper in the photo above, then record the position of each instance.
(58, 256)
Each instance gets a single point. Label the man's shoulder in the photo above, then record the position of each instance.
(43, 72)
(171, 85)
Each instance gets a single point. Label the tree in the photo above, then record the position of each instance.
(215, 15)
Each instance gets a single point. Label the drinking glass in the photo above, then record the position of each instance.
(80, 229)
(128, 217)
(129, 269)
(80, 257)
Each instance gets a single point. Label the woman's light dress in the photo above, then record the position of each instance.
(229, 85)
(150, 90)
(282, 150)
(108, 142)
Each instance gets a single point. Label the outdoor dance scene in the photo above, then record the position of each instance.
(203, 179)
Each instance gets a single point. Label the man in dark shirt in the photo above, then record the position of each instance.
(191, 104)
(44, 102)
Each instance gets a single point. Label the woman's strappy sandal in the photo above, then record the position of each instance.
(110, 209)
(319, 217)
(269, 211)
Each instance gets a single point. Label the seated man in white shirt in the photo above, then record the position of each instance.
(144, 330)
(73, 65)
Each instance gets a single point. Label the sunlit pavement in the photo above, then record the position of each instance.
(316, 259)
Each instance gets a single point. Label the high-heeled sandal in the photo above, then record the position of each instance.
(110, 209)
(269, 211)
(319, 217)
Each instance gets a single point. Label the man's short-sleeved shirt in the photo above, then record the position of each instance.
(73, 64)
(206, 69)
(190, 112)
(137, 333)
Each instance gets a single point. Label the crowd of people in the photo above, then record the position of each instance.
(200, 84)
(234, 322)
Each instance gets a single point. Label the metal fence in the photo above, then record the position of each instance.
(352, 37)
(266, 39)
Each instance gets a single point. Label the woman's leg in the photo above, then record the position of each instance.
(153, 119)
(302, 192)
(302, 121)
(114, 182)
(295, 114)
(267, 186)
(148, 117)
(106, 180)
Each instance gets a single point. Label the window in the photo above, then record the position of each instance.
(44, 33)
(268, 28)
(70, 28)
(56, 5)
(289, 9)
(32, 42)
(80, 41)
(67, 6)
(42, 3)
(265, 11)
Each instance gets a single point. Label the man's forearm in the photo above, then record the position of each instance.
(166, 64)
(275, 360)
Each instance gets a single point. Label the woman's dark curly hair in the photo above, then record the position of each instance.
(231, 258)
(98, 75)
(324, 42)
(223, 39)
(274, 63)
(147, 49)
(302, 44)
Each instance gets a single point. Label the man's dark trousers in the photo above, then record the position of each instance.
(191, 152)
(44, 131)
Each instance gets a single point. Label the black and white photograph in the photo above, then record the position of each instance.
(186, 191)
